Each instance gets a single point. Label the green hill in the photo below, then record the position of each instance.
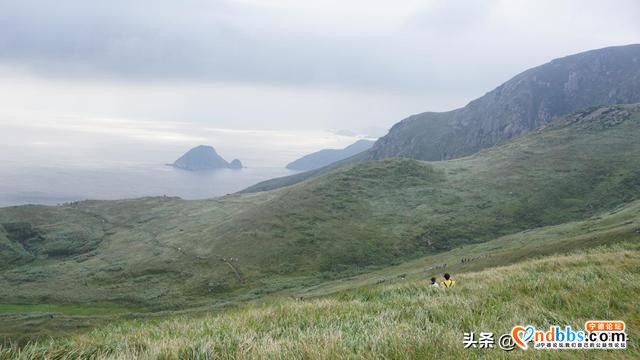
(397, 321)
(20, 323)
(283, 181)
(167, 253)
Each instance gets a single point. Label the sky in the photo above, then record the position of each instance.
(147, 79)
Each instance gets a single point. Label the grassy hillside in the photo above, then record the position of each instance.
(280, 182)
(21, 323)
(618, 225)
(398, 321)
(166, 253)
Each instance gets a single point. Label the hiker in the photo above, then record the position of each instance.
(434, 284)
(447, 283)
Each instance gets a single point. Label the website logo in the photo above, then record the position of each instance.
(597, 334)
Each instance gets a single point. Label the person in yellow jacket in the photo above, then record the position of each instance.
(448, 282)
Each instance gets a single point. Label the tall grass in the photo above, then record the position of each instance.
(399, 321)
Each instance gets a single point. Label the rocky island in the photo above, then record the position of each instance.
(203, 158)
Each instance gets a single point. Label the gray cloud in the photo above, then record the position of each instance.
(199, 41)
(84, 78)
(444, 45)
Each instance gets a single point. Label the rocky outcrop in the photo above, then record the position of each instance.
(527, 102)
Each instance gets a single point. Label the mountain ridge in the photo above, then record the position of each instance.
(489, 121)
(524, 103)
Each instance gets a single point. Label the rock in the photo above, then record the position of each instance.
(235, 164)
(204, 157)
(526, 103)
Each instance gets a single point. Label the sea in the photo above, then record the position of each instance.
(50, 166)
(59, 185)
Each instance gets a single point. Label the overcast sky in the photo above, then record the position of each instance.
(160, 70)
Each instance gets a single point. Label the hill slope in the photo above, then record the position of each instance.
(525, 103)
(326, 157)
(283, 181)
(399, 321)
(20, 323)
(167, 253)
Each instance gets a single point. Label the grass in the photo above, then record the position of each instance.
(20, 324)
(619, 225)
(397, 321)
(63, 309)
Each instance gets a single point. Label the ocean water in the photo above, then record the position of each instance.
(21, 185)
(60, 159)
